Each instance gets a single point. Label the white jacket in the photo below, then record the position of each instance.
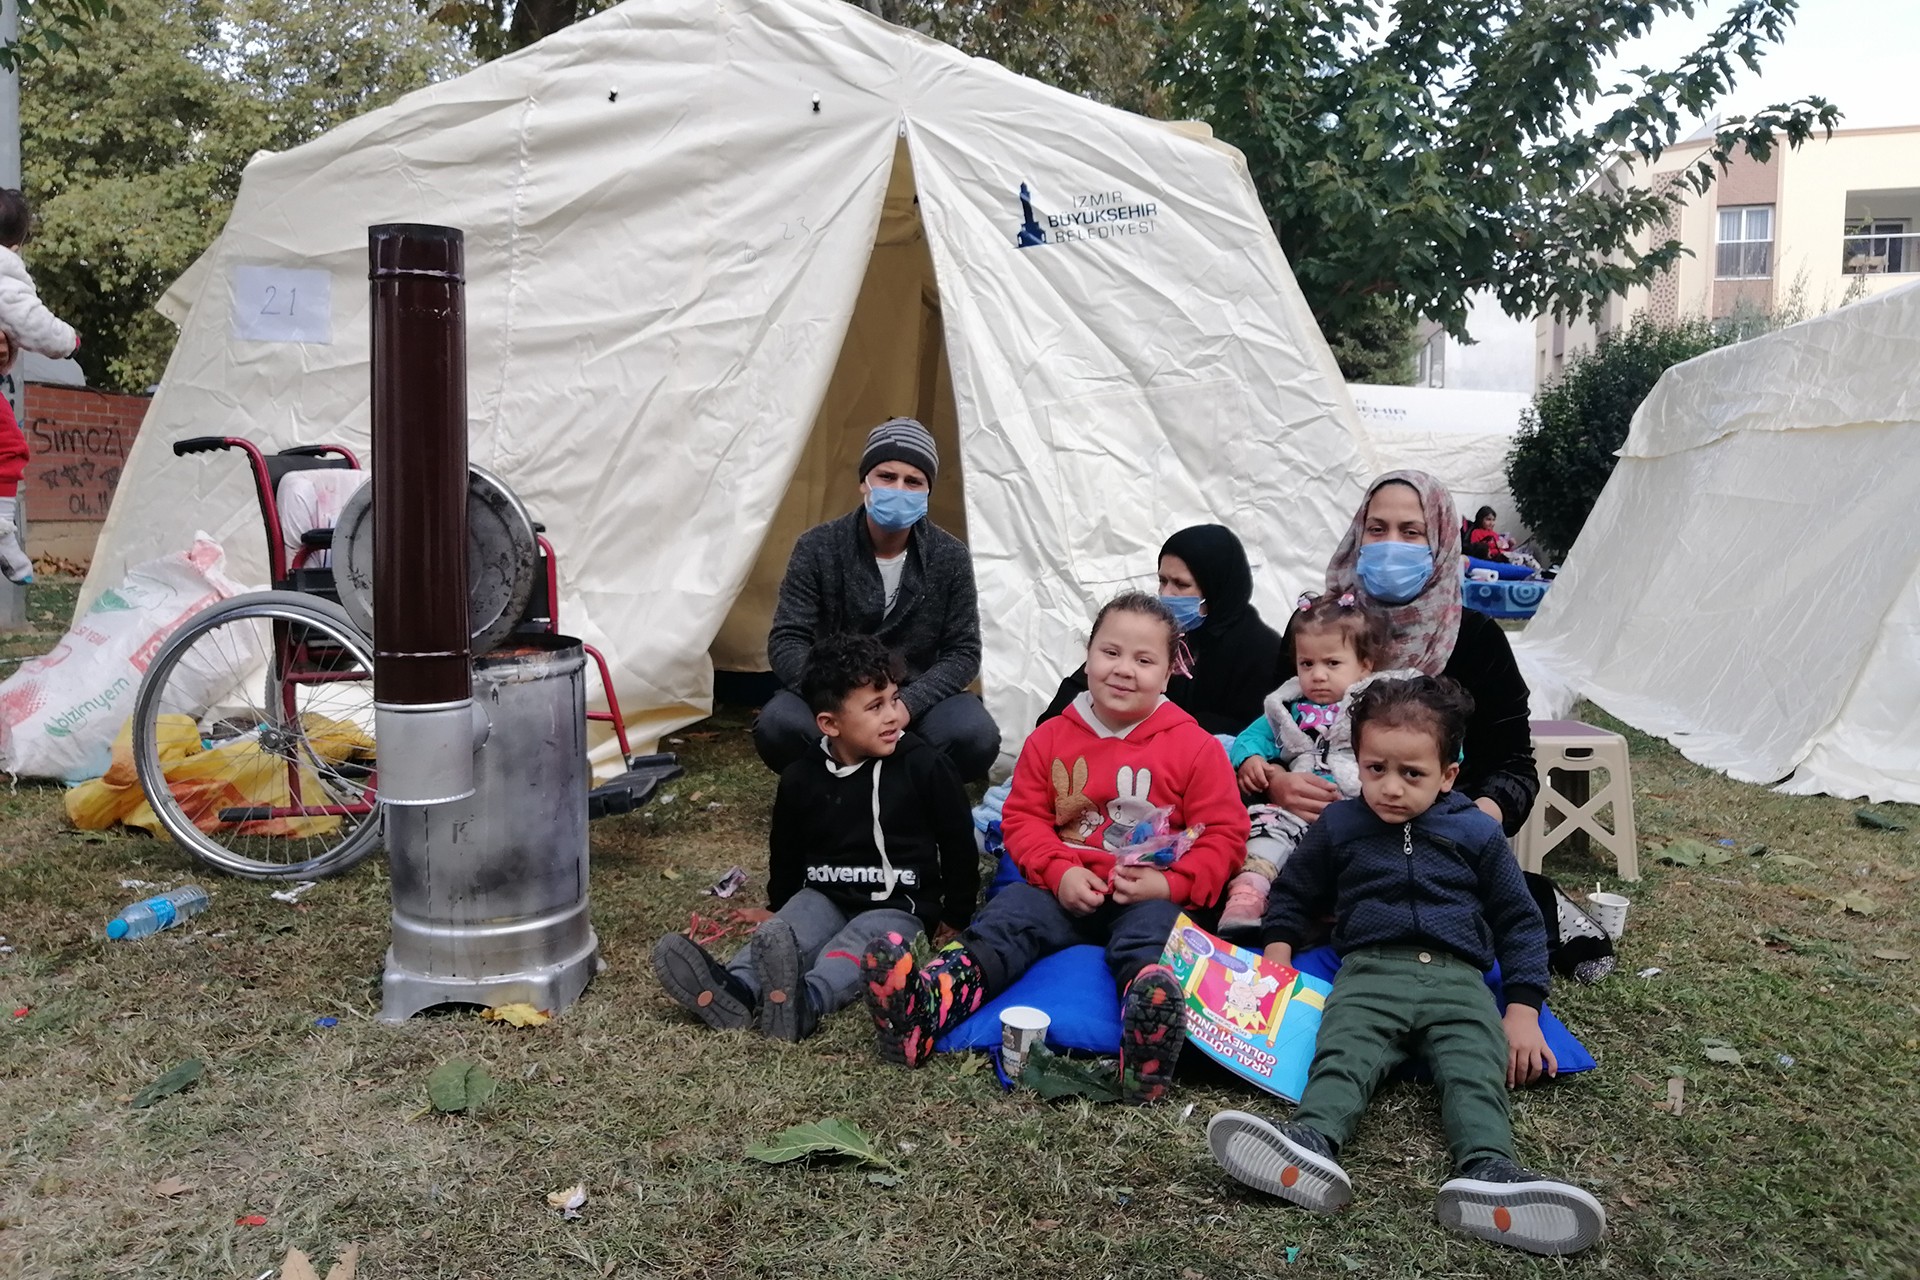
(1331, 752)
(25, 319)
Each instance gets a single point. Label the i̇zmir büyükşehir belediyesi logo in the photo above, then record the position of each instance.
(1096, 215)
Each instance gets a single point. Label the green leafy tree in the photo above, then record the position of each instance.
(1564, 451)
(1102, 49)
(493, 27)
(48, 26)
(134, 142)
(1421, 150)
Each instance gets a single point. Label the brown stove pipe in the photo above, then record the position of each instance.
(425, 719)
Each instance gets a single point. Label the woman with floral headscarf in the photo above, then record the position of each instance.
(1402, 555)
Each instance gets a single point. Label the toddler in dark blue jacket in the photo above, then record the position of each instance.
(1425, 896)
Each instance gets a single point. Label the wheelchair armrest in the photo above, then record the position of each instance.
(317, 539)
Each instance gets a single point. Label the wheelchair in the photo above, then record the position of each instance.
(253, 729)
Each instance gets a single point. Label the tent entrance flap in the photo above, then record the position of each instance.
(892, 364)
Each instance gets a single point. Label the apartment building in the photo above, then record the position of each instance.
(1836, 220)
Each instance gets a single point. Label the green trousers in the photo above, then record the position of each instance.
(1389, 1003)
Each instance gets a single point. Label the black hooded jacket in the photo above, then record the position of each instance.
(1236, 656)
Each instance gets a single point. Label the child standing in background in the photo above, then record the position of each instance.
(27, 324)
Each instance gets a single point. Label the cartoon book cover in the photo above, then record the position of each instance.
(1257, 1019)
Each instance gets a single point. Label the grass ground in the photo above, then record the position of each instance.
(1799, 1161)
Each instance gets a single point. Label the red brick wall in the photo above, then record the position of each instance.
(78, 441)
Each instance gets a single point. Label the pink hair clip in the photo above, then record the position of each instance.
(1349, 600)
(1305, 602)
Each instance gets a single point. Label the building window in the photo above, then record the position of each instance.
(1746, 243)
(1877, 248)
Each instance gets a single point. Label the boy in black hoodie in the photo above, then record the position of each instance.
(1425, 895)
(871, 833)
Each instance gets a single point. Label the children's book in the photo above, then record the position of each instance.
(1256, 1018)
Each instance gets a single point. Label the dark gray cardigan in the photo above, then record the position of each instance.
(833, 585)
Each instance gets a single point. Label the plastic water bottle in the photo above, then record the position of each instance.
(160, 912)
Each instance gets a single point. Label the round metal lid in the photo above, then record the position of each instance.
(503, 559)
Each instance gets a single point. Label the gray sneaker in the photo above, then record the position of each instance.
(1293, 1162)
(699, 985)
(787, 1010)
(1495, 1199)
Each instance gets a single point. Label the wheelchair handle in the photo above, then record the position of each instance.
(201, 444)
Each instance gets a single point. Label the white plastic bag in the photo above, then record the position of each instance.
(59, 712)
(314, 499)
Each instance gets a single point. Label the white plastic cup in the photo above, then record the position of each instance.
(1021, 1027)
(1610, 911)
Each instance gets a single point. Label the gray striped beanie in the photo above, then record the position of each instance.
(900, 440)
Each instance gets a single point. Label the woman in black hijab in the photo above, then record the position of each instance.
(1236, 656)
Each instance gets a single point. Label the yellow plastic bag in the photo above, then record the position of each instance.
(206, 782)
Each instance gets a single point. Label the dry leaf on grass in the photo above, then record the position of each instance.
(167, 1188)
(298, 1266)
(1676, 1095)
(1888, 953)
(518, 1015)
(568, 1202)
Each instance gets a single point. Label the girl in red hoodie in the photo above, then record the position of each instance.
(1118, 753)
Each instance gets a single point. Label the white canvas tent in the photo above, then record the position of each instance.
(1748, 585)
(1461, 438)
(708, 245)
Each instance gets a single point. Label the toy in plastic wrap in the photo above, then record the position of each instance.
(1154, 843)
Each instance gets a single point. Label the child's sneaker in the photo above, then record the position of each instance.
(1153, 1026)
(14, 561)
(913, 1007)
(1294, 1162)
(787, 1011)
(1246, 905)
(698, 984)
(1495, 1199)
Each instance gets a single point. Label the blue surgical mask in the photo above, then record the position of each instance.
(1185, 610)
(896, 509)
(1395, 572)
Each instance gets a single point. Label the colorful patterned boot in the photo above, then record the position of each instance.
(913, 1008)
(1153, 1026)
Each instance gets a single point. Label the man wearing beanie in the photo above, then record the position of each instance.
(885, 570)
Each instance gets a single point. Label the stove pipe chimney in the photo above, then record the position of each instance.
(424, 715)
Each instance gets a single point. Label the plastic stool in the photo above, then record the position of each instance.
(1572, 747)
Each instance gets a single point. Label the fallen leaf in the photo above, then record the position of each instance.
(1676, 1095)
(458, 1086)
(297, 1266)
(1640, 1080)
(1856, 903)
(1629, 1201)
(180, 1077)
(1055, 1076)
(832, 1136)
(1685, 853)
(519, 1015)
(1888, 953)
(669, 873)
(346, 1264)
(167, 1188)
(1877, 821)
(1046, 1224)
(569, 1200)
(251, 1220)
(1721, 1051)
(1189, 1273)
(1715, 857)
(608, 1269)
(879, 1179)
(1788, 860)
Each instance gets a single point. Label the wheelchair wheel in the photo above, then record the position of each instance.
(253, 737)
